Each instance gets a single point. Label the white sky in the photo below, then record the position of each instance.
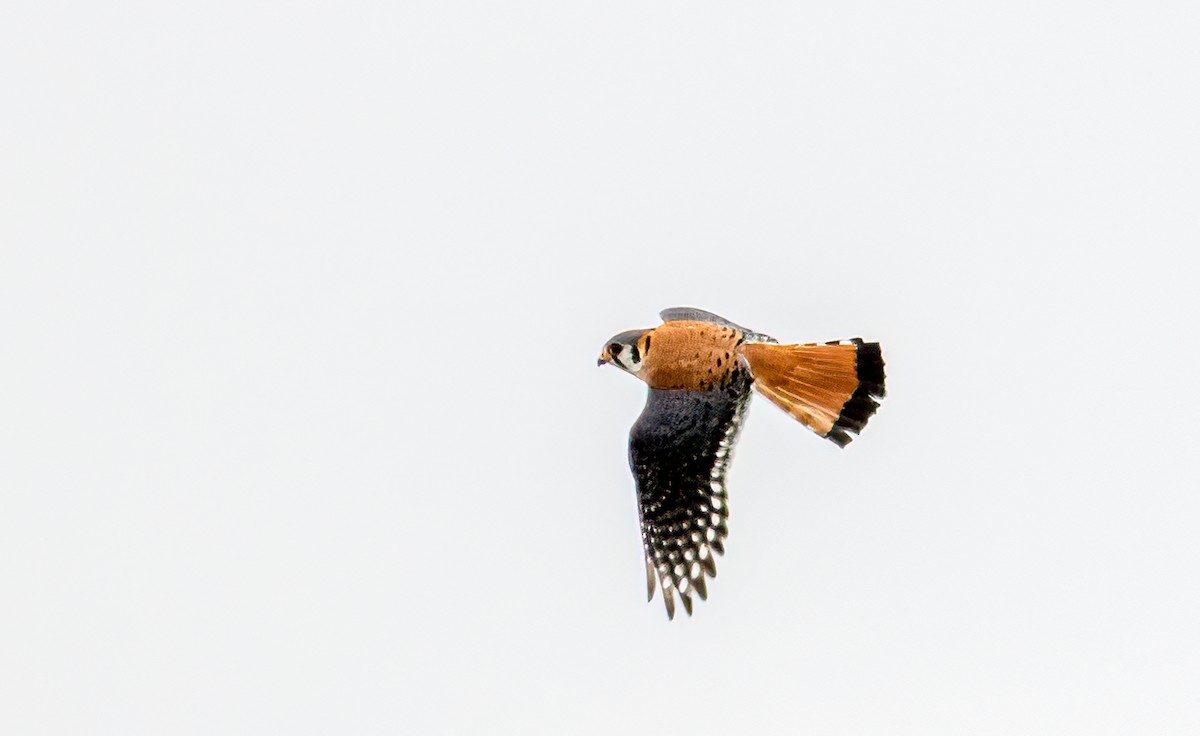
(300, 422)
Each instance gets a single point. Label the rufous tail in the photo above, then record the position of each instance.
(829, 388)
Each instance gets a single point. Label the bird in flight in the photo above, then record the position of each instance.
(700, 369)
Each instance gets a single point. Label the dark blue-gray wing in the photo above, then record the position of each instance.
(679, 450)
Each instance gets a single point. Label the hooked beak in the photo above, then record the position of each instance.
(601, 361)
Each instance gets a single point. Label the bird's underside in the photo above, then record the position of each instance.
(700, 369)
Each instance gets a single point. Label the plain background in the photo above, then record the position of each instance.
(300, 422)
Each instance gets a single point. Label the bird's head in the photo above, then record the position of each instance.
(626, 351)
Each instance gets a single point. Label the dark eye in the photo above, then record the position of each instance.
(615, 348)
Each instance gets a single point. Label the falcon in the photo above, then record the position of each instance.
(700, 369)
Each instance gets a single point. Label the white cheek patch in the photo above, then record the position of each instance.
(624, 358)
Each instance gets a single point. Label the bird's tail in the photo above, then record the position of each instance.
(828, 388)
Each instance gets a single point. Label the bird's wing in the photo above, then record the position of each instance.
(692, 314)
(675, 314)
(679, 451)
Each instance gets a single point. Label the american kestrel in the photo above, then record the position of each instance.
(700, 369)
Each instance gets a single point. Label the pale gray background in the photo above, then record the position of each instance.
(302, 430)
